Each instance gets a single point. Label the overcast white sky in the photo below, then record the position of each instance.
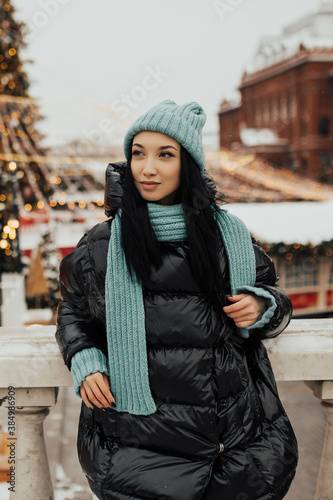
(89, 56)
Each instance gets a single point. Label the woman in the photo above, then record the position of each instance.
(163, 309)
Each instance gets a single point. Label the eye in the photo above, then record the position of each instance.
(136, 152)
(168, 155)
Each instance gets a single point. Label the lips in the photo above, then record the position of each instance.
(149, 186)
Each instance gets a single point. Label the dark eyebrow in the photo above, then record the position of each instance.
(162, 147)
(169, 146)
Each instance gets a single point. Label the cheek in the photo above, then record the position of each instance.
(135, 172)
(174, 175)
(177, 182)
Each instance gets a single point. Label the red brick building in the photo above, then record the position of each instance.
(285, 114)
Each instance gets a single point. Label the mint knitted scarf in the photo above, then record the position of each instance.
(125, 315)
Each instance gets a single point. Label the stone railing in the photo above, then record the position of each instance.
(32, 370)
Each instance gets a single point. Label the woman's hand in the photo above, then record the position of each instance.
(247, 309)
(96, 389)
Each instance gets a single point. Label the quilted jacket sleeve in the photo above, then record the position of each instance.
(279, 307)
(76, 325)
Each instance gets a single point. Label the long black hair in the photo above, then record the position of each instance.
(141, 247)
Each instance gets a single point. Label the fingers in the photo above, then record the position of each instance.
(244, 324)
(95, 395)
(236, 298)
(105, 388)
(245, 311)
(97, 389)
(241, 301)
(244, 317)
(85, 397)
(244, 305)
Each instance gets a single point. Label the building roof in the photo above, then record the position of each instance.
(313, 31)
(231, 105)
(260, 136)
(245, 178)
(303, 222)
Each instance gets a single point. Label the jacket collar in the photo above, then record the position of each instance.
(114, 186)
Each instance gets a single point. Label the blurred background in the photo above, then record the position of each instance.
(75, 75)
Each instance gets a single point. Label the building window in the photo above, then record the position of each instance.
(324, 167)
(250, 114)
(304, 167)
(302, 274)
(284, 109)
(274, 111)
(265, 114)
(304, 128)
(304, 116)
(292, 107)
(257, 116)
(324, 125)
(331, 276)
(323, 100)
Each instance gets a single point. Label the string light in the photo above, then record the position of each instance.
(13, 223)
(297, 250)
(64, 160)
(17, 99)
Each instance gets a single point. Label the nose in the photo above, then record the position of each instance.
(149, 167)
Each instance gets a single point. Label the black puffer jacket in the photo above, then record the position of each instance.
(220, 431)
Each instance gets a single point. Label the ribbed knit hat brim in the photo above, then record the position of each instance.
(184, 123)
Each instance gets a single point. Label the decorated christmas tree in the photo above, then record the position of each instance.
(23, 183)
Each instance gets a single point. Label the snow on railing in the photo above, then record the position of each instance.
(32, 370)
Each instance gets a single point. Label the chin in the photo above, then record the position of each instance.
(151, 197)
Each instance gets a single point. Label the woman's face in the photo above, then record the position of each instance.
(156, 166)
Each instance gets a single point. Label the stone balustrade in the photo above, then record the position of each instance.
(32, 370)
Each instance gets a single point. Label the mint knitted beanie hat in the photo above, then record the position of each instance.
(184, 123)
